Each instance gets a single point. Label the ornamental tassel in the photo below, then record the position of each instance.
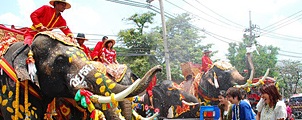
(27, 114)
(17, 99)
(31, 65)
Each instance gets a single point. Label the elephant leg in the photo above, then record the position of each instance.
(126, 109)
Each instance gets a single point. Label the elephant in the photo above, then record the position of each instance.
(62, 70)
(68, 109)
(169, 100)
(207, 86)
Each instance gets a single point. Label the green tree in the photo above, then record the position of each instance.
(138, 47)
(267, 58)
(290, 75)
(183, 44)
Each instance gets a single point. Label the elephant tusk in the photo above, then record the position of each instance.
(189, 103)
(139, 117)
(118, 97)
(263, 78)
(247, 83)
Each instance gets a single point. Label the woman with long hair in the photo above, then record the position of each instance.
(270, 106)
(225, 107)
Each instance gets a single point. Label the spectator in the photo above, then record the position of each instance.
(241, 109)
(96, 53)
(225, 107)
(45, 18)
(206, 61)
(270, 106)
(289, 112)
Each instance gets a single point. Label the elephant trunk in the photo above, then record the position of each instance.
(146, 80)
(122, 91)
(239, 79)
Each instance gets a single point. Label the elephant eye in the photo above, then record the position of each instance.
(61, 61)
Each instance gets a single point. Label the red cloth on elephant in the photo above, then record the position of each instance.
(45, 16)
(206, 63)
(86, 50)
(96, 53)
(109, 55)
(151, 85)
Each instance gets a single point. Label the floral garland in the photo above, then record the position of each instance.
(4, 44)
(268, 111)
(85, 97)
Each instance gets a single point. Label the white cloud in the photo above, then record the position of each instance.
(9, 18)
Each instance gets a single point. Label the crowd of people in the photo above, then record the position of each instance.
(234, 105)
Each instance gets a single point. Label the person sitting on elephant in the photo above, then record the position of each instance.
(206, 61)
(225, 107)
(46, 18)
(81, 39)
(149, 91)
(96, 53)
(108, 53)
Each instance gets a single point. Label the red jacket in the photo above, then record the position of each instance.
(96, 53)
(87, 51)
(206, 63)
(45, 16)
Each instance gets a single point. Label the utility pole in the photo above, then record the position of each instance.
(249, 45)
(168, 71)
(167, 58)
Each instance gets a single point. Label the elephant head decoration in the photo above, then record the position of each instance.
(62, 70)
(170, 101)
(206, 87)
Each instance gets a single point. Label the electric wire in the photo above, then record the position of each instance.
(212, 16)
(199, 16)
(220, 15)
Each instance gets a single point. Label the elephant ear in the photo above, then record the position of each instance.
(19, 63)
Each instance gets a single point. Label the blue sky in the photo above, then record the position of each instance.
(225, 19)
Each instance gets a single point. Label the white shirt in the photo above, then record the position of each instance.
(268, 113)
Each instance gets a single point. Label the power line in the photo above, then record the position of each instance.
(212, 16)
(282, 20)
(285, 24)
(197, 15)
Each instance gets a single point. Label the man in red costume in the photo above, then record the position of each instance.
(150, 92)
(81, 39)
(96, 53)
(206, 61)
(46, 18)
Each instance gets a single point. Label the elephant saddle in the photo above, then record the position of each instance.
(60, 37)
(117, 70)
(4, 45)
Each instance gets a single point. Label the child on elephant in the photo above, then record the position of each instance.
(108, 53)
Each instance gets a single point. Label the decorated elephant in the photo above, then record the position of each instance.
(62, 70)
(170, 101)
(207, 86)
(68, 108)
